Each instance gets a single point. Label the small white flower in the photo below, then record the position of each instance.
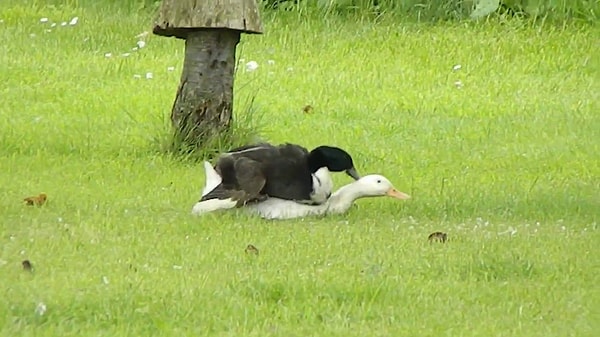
(512, 231)
(456, 67)
(134, 48)
(251, 66)
(177, 267)
(170, 68)
(73, 21)
(44, 20)
(40, 310)
(141, 44)
(59, 219)
(53, 24)
(137, 76)
(125, 54)
(108, 55)
(48, 30)
(63, 23)
(105, 280)
(458, 84)
(149, 75)
(270, 62)
(22, 252)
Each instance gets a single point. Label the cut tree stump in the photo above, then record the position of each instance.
(211, 30)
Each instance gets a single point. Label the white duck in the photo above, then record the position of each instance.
(274, 208)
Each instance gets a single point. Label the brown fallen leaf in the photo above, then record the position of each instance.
(439, 236)
(36, 200)
(307, 109)
(250, 249)
(27, 265)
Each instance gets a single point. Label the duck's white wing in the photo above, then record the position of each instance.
(246, 150)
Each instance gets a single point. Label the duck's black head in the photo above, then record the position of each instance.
(336, 160)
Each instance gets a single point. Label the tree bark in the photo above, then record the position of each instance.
(204, 101)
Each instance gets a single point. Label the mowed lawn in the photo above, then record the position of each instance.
(492, 128)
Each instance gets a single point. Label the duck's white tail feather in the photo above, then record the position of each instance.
(213, 179)
(212, 205)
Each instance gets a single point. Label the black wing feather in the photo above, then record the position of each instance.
(264, 169)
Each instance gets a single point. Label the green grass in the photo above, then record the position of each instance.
(436, 10)
(508, 165)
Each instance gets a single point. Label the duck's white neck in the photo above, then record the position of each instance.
(344, 197)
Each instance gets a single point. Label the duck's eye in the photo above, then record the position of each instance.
(379, 181)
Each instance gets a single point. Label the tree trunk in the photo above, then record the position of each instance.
(204, 102)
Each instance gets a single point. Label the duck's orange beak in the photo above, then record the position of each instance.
(394, 193)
